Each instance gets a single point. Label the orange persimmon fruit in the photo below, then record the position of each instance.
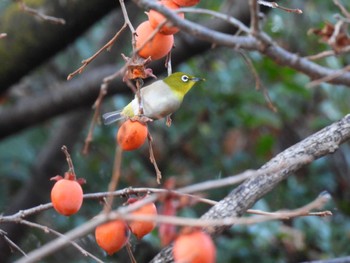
(186, 2)
(112, 236)
(66, 195)
(132, 135)
(194, 247)
(155, 18)
(142, 228)
(157, 47)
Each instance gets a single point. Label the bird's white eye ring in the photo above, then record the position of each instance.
(184, 78)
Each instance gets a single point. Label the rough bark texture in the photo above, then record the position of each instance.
(271, 174)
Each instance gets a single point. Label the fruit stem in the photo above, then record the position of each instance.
(115, 179)
(139, 84)
(69, 161)
(131, 255)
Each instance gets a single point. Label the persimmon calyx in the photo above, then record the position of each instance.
(56, 178)
(69, 176)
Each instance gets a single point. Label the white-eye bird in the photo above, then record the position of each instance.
(158, 100)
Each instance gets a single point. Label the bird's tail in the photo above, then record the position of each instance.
(113, 116)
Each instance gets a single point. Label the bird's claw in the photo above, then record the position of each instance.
(168, 121)
(141, 118)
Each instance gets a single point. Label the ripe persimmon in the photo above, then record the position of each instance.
(142, 228)
(66, 195)
(155, 18)
(186, 2)
(112, 236)
(157, 47)
(194, 247)
(132, 135)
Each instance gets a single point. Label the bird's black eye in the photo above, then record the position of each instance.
(184, 78)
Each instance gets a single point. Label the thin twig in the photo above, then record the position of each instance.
(305, 210)
(329, 53)
(254, 17)
(342, 8)
(225, 17)
(107, 46)
(250, 65)
(332, 41)
(131, 255)
(328, 78)
(50, 230)
(40, 15)
(11, 243)
(153, 159)
(115, 179)
(275, 5)
(95, 118)
(69, 160)
(128, 22)
(115, 75)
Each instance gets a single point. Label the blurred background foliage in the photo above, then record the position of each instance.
(224, 127)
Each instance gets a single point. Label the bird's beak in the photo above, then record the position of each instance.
(195, 79)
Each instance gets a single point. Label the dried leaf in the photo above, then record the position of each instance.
(334, 35)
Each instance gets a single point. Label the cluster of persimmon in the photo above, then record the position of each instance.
(113, 235)
(191, 245)
(161, 43)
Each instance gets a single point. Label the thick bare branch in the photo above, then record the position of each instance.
(271, 174)
(263, 44)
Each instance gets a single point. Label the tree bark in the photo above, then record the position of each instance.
(324, 142)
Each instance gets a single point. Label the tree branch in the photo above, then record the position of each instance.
(324, 142)
(263, 44)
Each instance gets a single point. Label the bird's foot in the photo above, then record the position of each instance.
(141, 118)
(168, 121)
